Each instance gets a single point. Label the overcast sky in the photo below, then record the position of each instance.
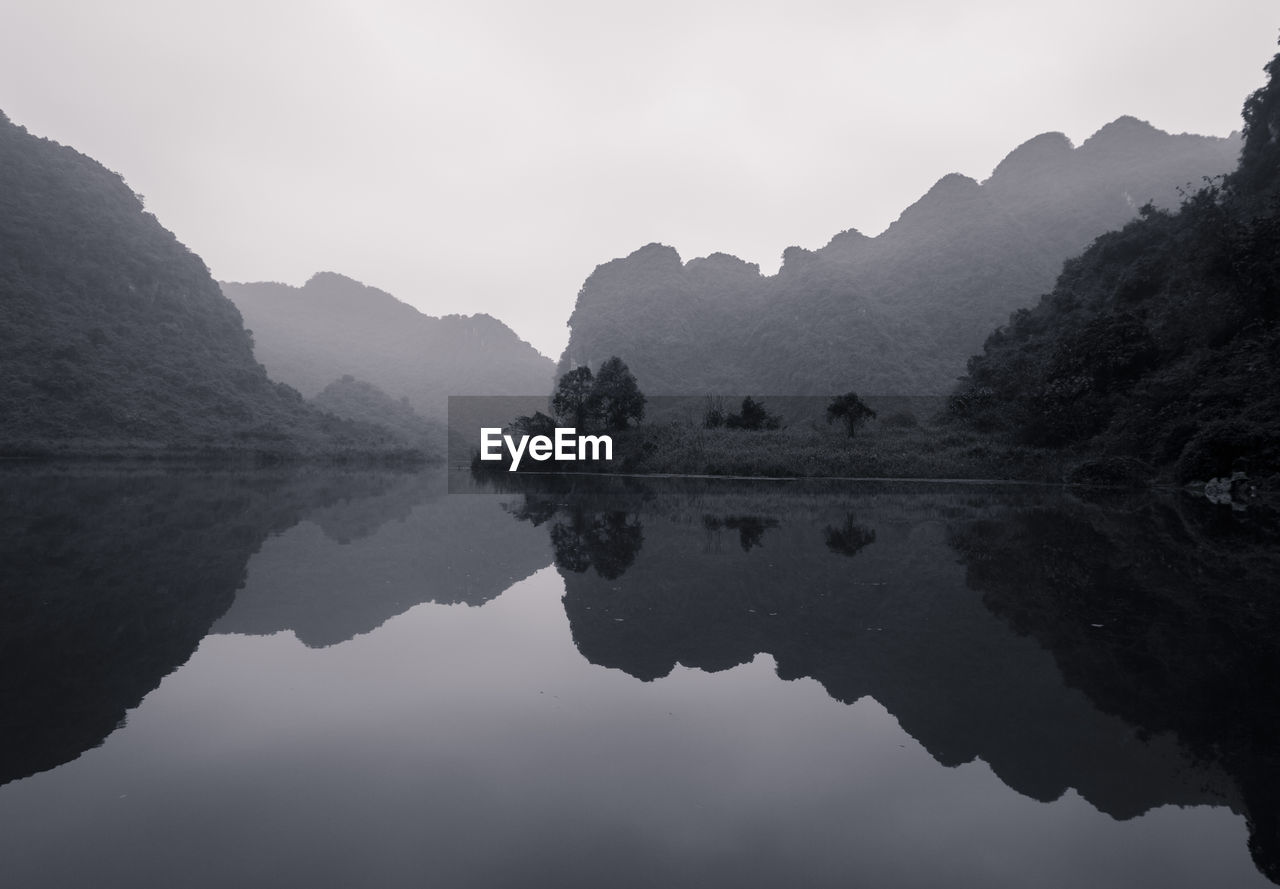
(485, 157)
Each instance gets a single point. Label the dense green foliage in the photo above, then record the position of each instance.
(113, 335)
(896, 314)
(1160, 342)
(332, 326)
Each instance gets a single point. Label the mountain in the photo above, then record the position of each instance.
(115, 335)
(1160, 342)
(895, 314)
(354, 399)
(333, 326)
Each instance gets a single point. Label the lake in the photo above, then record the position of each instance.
(337, 678)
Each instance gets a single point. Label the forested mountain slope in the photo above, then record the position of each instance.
(113, 334)
(333, 326)
(895, 314)
(1160, 341)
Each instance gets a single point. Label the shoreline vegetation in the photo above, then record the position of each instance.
(1152, 361)
(934, 451)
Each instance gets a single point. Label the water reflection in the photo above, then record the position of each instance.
(111, 579)
(850, 538)
(331, 578)
(750, 529)
(1165, 613)
(1124, 650)
(1140, 666)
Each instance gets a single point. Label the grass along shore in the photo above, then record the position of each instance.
(814, 450)
(811, 451)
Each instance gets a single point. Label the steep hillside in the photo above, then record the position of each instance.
(114, 335)
(894, 314)
(354, 399)
(1160, 342)
(333, 326)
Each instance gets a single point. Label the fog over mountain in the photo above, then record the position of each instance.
(898, 313)
(333, 326)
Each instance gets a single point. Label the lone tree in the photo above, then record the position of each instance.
(572, 392)
(752, 416)
(851, 409)
(615, 397)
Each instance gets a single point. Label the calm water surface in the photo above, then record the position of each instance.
(337, 679)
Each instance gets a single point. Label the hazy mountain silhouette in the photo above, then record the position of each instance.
(333, 326)
(114, 333)
(894, 314)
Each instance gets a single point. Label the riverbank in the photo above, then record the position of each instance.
(884, 452)
(201, 454)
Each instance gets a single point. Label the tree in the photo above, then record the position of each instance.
(713, 412)
(615, 397)
(538, 424)
(753, 416)
(571, 395)
(851, 409)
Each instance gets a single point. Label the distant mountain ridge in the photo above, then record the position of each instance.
(334, 326)
(895, 314)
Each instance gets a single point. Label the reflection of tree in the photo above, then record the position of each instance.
(607, 541)
(750, 528)
(535, 510)
(849, 539)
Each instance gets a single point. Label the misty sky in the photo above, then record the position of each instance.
(487, 156)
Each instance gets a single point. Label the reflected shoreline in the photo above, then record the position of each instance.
(1114, 643)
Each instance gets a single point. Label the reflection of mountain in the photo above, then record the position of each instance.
(1165, 615)
(110, 581)
(357, 564)
(863, 593)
